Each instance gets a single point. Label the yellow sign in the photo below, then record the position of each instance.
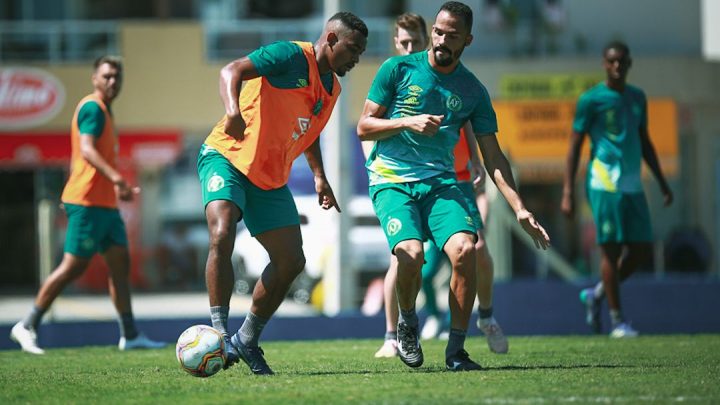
(544, 87)
(536, 134)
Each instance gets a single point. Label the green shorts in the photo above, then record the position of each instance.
(262, 210)
(467, 189)
(620, 217)
(93, 229)
(433, 209)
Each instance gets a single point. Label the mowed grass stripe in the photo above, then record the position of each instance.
(538, 370)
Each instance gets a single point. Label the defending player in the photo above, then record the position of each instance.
(414, 110)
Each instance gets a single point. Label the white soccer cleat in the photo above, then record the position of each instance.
(388, 349)
(431, 328)
(26, 338)
(497, 342)
(140, 342)
(623, 330)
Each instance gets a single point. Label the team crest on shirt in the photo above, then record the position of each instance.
(394, 226)
(302, 83)
(215, 183)
(607, 227)
(88, 244)
(454, 103)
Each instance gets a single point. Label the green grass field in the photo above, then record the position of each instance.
(538, 370)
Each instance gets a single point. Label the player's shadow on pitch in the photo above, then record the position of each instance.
(435, 369)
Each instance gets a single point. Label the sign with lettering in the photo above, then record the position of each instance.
(28, 97)
(536, 134)
(546, 86)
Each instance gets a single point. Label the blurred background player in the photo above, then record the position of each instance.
(245, 163)
(414, 113)
(410, 36)
(614, 115)
(94, 221)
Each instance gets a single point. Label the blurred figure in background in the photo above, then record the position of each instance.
(177, 258)
(470, 174)
(94, 221)
(614, 115)
(410, 36)
(245, 163)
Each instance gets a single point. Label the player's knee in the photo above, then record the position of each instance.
(75, 271)
(409, 256)
(460, 247)
(221, 239)
(290, 265)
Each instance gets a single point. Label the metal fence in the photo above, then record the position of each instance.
(56, 42)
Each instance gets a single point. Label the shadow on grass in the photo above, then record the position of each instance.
(431, 369)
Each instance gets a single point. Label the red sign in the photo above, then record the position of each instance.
(151, 148)
(28, 97)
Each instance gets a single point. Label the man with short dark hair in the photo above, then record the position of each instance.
(415, 109)
(94, 222)
(244, 165)
(614, 115)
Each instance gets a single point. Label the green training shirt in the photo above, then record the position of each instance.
(284, 65)
(613, 119)
(91, 119)
(408, 86)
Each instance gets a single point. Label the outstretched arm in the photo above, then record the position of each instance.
(326, 197)
(567, 205)
(498, 168)
(648, 153)
(231, 78)
(372, 125)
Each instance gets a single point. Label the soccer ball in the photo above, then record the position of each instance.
(200, 350)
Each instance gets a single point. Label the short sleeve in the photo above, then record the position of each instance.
(581, 123)
(91, 119)
(483, 118)
(382, 89)
(275, 59)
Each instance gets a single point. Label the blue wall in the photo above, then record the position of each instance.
(523, 308)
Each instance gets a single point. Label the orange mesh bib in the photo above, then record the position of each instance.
(86, 185)
(462, 157)
(281, 124)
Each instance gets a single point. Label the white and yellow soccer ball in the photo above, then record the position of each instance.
(200, 350)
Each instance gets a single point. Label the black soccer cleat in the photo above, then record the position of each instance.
(460, 361)
(232, 355)
(253, 357)
(409, 349)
